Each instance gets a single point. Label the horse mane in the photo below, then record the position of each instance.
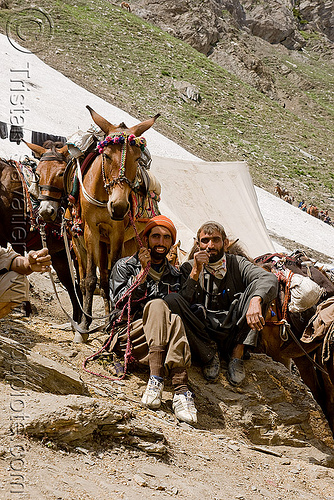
(236, 248)
(122, 125)
(53, 145)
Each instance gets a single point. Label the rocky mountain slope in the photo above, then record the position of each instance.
(258, 85)
(231, 32)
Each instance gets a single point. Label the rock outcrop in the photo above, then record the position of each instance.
(319, 15)
(203, 24)
(21, 367)
(232, 32)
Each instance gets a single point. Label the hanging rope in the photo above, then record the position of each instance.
(284, 325)
(26, 194)
(127, 295)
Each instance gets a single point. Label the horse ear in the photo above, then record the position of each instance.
(101, 122)
(38, 150)
(139, 129)
(64, 150)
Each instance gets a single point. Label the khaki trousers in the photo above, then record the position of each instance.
(14, 289)
(158, 327)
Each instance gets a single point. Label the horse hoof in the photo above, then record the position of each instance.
(80, 338)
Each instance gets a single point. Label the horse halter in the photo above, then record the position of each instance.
(120, 138)
(51, 156)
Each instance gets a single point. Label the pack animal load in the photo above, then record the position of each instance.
(300, 324)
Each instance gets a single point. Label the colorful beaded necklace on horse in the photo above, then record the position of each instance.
(120, 138)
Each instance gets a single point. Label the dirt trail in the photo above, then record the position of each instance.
(215, 460)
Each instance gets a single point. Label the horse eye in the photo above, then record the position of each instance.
(60, 174)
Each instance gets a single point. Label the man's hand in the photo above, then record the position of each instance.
(200, 259)
(36, 261)
(39, 260)
(144, 256)
(254, 317)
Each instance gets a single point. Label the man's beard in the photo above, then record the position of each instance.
(158, 255)
(217, 256)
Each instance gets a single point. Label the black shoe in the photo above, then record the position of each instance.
(235, 371)
(246, 355)
(212, 369)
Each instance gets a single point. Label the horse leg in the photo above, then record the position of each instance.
(270, 344)
(328, 385)
(104, 276)
(61, 266)
(328, 408)
(319, 384)
(310, 378)
(90, 278)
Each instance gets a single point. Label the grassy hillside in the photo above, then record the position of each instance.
(133, 65)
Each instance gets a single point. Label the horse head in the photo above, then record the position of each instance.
(119, 156)
(49, 175)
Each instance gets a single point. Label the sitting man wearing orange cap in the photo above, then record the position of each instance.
(158, 337)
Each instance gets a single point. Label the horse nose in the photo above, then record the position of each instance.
(47, 212)
(118, 211)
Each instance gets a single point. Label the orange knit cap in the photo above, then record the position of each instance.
(161, 220)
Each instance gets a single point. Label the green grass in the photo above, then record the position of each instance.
(133, 65)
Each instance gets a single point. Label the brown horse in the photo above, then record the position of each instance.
(313, 210)
(104, 197)
(126, 5)
(316, 373)
(50, 174)
(281, 191)
(21, 228)
(280, 339)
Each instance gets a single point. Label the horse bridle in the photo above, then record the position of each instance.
(120, 138)
(119, 180)
(47, 187)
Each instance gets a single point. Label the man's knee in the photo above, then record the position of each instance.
(154, 305)
(174, 302)
(156, 308)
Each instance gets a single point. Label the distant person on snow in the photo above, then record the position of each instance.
(228, 297)
(14, 286)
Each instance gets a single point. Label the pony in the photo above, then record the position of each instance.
(286, 346)
(288, 198)
(126, 5)
(313, 210)
(25, 210)
(282, 336)
(281, 191)
(104, 198)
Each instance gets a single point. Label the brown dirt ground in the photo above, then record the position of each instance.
(211, 461)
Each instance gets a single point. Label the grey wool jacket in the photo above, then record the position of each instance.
(218, 294)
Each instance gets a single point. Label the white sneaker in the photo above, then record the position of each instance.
(153, 393)
(184, 407)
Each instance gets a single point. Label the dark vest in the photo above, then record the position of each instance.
(221, 292)
(218, 294)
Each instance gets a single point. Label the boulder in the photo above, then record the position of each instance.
(79, 420)
(274, 22)
(22, 368)
(271, 407)
(320, 15)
